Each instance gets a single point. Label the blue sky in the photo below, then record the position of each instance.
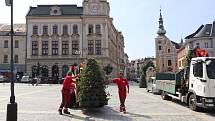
(137, 19)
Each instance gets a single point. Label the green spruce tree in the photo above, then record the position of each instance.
(91, 87)
(148, 63)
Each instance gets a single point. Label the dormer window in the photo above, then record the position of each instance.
(55, 10)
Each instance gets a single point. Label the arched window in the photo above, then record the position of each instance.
(45, 71)
(90, 29)
(34, 71)
(65, 68)
(55, 74)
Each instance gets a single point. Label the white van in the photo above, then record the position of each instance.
(25, 79)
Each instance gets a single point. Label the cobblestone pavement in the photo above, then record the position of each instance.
(40, 103)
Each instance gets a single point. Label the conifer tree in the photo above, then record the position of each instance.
(91, 87)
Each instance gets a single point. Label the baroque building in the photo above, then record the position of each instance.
(165, 50)
(61, 35)
(19, 49)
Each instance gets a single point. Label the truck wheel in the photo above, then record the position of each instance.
(192, 102)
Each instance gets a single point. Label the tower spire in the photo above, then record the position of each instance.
(161, 30)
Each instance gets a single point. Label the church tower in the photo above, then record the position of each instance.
(166, 50)
(161, 30)
(96, 7)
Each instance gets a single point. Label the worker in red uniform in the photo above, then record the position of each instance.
(66, 91)
(122, 83)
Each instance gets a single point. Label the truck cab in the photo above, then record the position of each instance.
(201, 91)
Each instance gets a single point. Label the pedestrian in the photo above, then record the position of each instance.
(73, 93)
(122, 83)
(66, 92)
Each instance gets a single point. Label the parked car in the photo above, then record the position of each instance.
(1, 78)
(36, 80)
(26, 79)
(4, 78)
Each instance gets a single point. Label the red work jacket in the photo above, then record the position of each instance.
(121, 83)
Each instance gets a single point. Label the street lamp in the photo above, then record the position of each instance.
(77, 53)
(12, 106)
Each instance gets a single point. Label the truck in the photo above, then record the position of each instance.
(193, 85)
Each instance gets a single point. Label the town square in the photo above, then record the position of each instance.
(107, 60)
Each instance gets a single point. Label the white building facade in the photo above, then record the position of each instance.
(203, 37)
(19, 42)
(61, 35)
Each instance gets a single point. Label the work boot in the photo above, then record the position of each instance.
(60, 111)
(123, 110)
(66, 112)
(120, 109)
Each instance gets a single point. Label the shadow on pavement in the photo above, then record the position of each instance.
(75, 116)
(105, 113)
(210, 112)
(137, 115)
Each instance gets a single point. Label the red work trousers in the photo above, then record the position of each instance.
(65, 99)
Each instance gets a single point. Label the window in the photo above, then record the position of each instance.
(159, 47)
(16, 44)
(16, 59)
(6, 44)
(206, 44)
(74, 46)
(98, 29)
(45, 30)
(98, 47)
(45, 47)
(65, 29)
(169, 50)
(90, 47)
(210, 69)
(34, 48)
(75, 29)
(54, 47)
(65, 48)
(90, 29)
(197, 45)
(55, 31)
(5, 59)
(35, 30)
(169, 62)
(198, 69)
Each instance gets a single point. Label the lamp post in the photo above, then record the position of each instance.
(12, 106)
(77, 53)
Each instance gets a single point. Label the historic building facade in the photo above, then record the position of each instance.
(61, 35)
(165, 50)
(203, 37)
(19, 49)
